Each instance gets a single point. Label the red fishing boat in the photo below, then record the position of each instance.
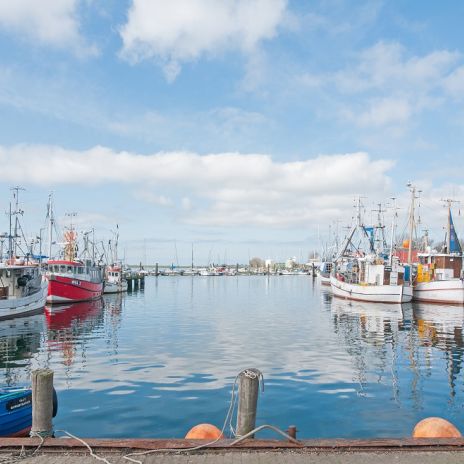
(70, 279)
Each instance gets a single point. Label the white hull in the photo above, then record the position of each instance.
(111, 287)
(16, 307)
(324, 280)
(371, 293)
(440, 291)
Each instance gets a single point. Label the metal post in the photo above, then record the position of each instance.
(42, 402)
(156, 270)
(248, 387)
(292, 431)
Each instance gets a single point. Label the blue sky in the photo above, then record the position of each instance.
(243, 126)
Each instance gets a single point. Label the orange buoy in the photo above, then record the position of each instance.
(406, 243)
(435, 427)
(204, 431)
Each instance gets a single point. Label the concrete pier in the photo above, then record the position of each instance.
(382, 451)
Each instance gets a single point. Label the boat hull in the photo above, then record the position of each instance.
(371, 293)
(25, 306)
(69, 289)
(325, 280)
(15, 412)
(440, 291)
(113, 287)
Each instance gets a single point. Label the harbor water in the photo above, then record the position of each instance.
(155, 362)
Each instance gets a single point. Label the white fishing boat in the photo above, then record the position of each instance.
(114, 278)
(23, 291)
(373, 276)
(368, 279)
(114, 282)
(439, 277)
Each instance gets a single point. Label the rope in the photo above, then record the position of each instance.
(11, 458)
(98, 458)
(250, 373)
(207, 445)
(228, 420)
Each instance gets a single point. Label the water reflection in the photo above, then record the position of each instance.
(153, 363)
(68, 326)
(20, 340)
(440, 326)
(370, 334)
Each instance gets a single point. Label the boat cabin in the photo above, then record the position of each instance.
(440, 266)
(74, 269)
(371, 270)
(18, 281)
(113, 274)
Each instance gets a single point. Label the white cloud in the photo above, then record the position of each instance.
(384, 66)
(51, 22)
(216, 189)
(183, 30)
(385, 111)
(385, 87)
(150, 197)
(454, 83)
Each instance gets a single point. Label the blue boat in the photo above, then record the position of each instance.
(15, 411)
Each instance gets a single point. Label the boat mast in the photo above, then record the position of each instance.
(70, 248)
(348, 238)
(411, 220)
(16, 212)
(393, 231)
(51, 223)
(10, 239)
(115, 255)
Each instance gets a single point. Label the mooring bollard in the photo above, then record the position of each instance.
(248, 388)
(42, 403)
(292, 431)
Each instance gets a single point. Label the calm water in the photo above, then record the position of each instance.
(156, 362)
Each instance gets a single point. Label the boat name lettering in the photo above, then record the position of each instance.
(19, 402)
(76, 282)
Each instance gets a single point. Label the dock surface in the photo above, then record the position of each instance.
(385, 451)
(262, 457)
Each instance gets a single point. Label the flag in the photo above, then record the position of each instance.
(454, 245)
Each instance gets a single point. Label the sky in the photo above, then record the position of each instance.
(238, 128)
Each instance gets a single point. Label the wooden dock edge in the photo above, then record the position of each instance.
(70, 445)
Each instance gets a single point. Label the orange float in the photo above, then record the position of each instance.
(435, 427)
(406, 243)
(204, 432)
